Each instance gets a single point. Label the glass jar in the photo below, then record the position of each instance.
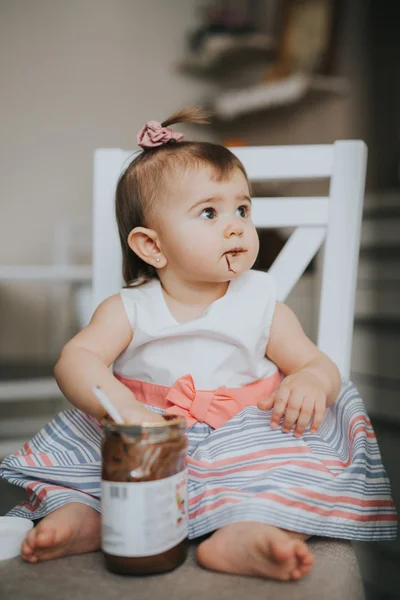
(144, 496)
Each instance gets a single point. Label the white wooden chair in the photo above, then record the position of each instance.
(335, 220)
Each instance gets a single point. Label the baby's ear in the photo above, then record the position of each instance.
(145, 243)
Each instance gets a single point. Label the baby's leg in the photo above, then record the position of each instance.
(250, 548)
(72, 529)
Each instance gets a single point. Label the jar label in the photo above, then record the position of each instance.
(144, 518)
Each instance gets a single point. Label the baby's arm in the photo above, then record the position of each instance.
(312, 379)
(84, 363)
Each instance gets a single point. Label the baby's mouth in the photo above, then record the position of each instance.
(235, 251)
(232, 254)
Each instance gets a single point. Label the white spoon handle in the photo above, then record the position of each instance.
(106, 404)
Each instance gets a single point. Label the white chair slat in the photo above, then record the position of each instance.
(339, 270)
(294, 258)
(265, 163)
(106, 250)
(290, 212)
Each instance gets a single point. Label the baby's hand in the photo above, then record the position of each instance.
(140, 414)
(298, 397)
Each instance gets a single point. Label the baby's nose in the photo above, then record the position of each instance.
(234, 227)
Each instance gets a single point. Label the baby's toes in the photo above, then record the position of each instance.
(281, 550)
(300, 571)
(303, 552)
(28, 545)
(296, 574)
(305, 560)
(45, 538)
(26, 550)
(28, 553)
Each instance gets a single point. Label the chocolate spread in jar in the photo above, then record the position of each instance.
(144, 496)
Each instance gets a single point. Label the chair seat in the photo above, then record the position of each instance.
(335, 576)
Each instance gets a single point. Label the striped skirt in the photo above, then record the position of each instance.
(331, 483)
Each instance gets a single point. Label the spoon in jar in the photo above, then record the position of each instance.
(107, 405)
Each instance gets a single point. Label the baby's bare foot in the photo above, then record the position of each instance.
(71, 529)
(250, 548)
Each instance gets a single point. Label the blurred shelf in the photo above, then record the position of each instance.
(26, 427)
(378, 269)
(381, 232)
(29, 389)
(377, 302)
(265, 96)
(223, 51)
(25, 368)
(70, 273)
(378, 200)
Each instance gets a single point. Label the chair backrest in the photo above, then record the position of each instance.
(335, 219)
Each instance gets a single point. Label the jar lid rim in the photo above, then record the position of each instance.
(170, 421)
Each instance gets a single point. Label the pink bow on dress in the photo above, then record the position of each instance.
(214, 407)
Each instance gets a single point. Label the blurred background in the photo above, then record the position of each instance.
(84, 74)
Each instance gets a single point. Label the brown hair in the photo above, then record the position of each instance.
(139, 186)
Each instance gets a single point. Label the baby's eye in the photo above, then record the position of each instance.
(208, 213)
(243, 211)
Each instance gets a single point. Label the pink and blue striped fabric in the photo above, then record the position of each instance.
(329, 484)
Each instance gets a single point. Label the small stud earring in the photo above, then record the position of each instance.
(157, 259)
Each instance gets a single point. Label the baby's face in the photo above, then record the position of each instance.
(206, 229)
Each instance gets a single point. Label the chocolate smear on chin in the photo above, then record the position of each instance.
(229, 265)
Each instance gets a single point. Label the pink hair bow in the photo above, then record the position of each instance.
(154, 134)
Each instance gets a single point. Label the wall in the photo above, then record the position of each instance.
(75, 76)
